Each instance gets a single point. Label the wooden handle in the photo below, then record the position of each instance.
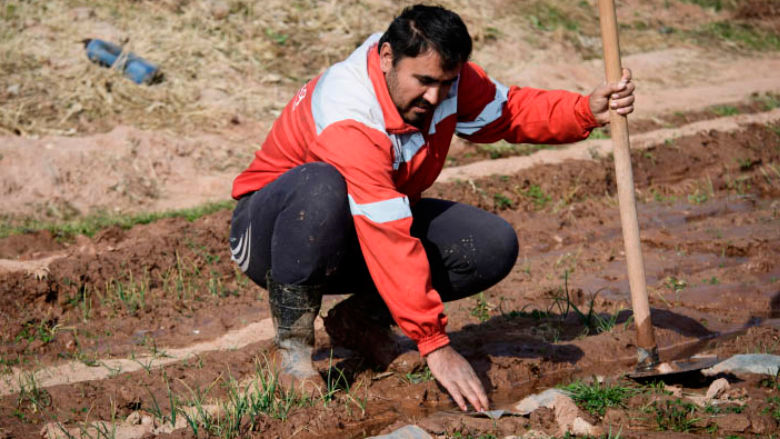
(625, 184)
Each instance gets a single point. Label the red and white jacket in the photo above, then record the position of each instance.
(345, 117)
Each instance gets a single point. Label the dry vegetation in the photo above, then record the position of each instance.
(232, 60)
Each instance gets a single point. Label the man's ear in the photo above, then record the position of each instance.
(385, 57)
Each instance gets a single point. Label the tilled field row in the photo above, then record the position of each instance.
(593, 149)
(76, 371)
(707, 209)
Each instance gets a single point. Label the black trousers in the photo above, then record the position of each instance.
(300, 228)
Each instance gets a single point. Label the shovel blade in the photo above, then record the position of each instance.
(676, 367)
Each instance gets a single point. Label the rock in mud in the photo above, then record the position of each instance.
(732, 422)
(761, 423)
(407, 432)
(568, 419)
(717, 388)
(533, 402)
(747, 363)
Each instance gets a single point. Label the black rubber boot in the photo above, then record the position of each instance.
(364, 324)
(294, 308)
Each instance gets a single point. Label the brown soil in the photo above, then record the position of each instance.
(464, 152)
(117, 325)
(708, 215)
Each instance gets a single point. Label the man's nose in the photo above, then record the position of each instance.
(433, 95)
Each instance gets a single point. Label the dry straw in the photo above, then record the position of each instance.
(228, 59)
(221, 59)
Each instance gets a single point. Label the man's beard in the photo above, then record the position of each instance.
(411, 117)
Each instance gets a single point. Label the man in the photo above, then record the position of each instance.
(331, 203)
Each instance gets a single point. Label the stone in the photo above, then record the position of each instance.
(406, 432)
(762, 424)
(747, 363)
(133, 418)
(568, 419)
(717, 388)
(732, 422)
(699, 400)
(533, 402)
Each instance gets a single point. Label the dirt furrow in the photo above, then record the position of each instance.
(597, 148)
(75, 371)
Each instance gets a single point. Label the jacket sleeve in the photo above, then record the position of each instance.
(382, 216)
(489, 111)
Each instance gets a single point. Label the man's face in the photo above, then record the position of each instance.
(417, 85)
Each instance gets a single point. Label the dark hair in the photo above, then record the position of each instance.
(421, 27)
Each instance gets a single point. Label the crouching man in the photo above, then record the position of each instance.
(331, 202)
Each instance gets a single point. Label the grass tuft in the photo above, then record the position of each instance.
(91, 224)
(675, 415)
(596, 397)
(739, 35)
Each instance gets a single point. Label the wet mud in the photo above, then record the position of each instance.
(708, 214)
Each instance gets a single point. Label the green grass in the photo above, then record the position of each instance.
(593, 322)
(43, 330)
(539, 198)
(91, 224)
(741, 35)
(598, 133)
(244, 406)
(421, 376)
(596, 397)
(505, 149)
(31, 398)
(768, 101)
(698, 197)
(131, 294)
(773, 407)
(725, 110)
(717, 5)
(481, 308)
(674, 415)
(675, 284)
(746, 163)
(502, 202)
(547, 17)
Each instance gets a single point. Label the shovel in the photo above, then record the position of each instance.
(648, 364)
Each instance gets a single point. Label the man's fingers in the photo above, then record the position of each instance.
(620, 103)
(467, 390)
(479, 392)
(626, 74)
(628, 90)
(454, 390)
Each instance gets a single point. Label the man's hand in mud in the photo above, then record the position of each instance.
(618, 96)
(455, 374)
